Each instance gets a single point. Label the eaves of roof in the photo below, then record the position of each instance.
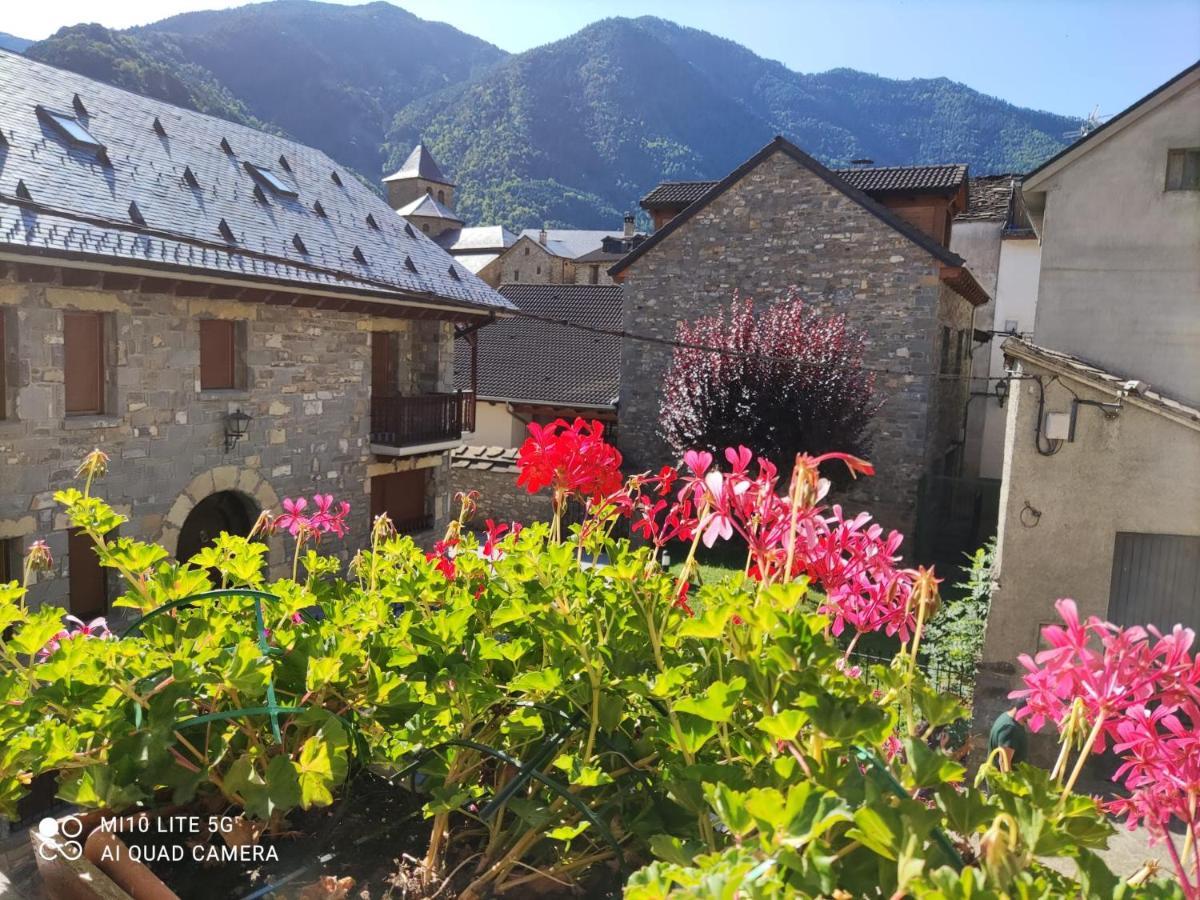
(1113, 125)
(783, 145)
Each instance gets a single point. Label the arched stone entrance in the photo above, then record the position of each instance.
(243, 482)
(224, 511)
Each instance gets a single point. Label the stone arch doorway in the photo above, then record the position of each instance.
(228, 511)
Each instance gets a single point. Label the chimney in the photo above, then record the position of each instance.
(629, 229)
(542, 236)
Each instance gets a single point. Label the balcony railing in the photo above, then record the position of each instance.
(423, 419)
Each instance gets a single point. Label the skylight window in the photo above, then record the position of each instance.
(71, 128)
(271, 180)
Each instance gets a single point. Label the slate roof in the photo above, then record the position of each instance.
(426, 206)
(991, 199)
(571, 243)
(166, 180)
(523, 359)
(476, 238)
(918, 179)
(476, 262)
(420, 164)
(834, 179)
(675, 193)
(1102, 378)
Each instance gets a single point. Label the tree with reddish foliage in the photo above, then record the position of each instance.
(789, 381)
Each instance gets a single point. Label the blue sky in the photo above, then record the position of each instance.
(1066, 56)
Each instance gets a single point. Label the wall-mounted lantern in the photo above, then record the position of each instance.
(1002, 390)
(236, 424)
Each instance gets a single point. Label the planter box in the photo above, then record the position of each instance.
(72, 866)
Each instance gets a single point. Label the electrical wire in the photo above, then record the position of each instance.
(340, 275)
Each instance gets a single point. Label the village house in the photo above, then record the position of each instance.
(424, 196)
(871, 243)
(420, 193)
(1101, 476)
(996, 239)
(530, 369)
(228, 314)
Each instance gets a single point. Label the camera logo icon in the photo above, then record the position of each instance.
(61, 838)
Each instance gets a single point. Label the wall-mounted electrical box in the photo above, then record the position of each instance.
(1058, 427)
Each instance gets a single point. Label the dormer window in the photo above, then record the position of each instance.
(70, 128)
(271, 180)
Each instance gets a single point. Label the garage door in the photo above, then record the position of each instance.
(1155, 580)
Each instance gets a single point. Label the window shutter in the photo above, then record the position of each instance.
(88, 592)
(383, 364)
(217, 355)
(83, 351)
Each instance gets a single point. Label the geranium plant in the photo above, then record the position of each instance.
(569, 712)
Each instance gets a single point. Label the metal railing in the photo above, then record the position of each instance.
(945, 679)
(421, 419)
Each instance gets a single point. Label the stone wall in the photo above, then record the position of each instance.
(528, 262)
(307, 388)
(781, 226)
(492, 471)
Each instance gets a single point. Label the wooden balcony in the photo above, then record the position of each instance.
(422, 420)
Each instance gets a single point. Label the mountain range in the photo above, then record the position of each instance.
(569, 134)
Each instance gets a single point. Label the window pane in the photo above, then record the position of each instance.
(217, 355)
(83, 352)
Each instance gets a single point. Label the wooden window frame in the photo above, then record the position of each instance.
(385, 364)
(85, 371)
(1182, 154)
(221, 337)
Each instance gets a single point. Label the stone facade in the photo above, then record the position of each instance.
(528, 262)
(492, 471)
(781, 226)
(306, 383)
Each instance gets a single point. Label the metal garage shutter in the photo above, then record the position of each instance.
(1155, 580)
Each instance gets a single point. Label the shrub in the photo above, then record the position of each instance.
(787, 378)
(570, 719)
(956, 635)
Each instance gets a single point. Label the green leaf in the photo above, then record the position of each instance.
(730, 807)
(37, 631)
(566, 832)
(717, 702)
(696, 732)
(538, 681)
(927, 767)
(784, 726)
(709, 624)
(315, 770)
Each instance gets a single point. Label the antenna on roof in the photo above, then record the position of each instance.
(1093, 121)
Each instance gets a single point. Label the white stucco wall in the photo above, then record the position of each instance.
(1120, 279)
(979, 244)
(1138, 472)
(1015, 300)
(495, 426)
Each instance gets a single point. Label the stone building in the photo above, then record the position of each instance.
(1101, 471)
(227, 314)
(869, 243)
